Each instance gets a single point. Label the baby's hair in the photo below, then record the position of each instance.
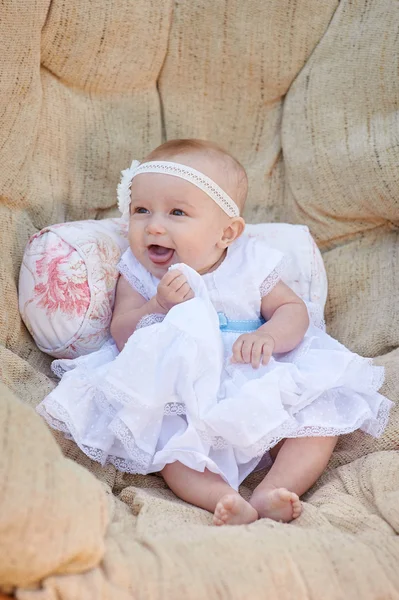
(174, 148)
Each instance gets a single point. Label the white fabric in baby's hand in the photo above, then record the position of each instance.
(172, 359)
(198, 286)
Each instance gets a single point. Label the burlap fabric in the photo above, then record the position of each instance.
(305, 93)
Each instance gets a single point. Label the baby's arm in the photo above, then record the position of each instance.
(286, 317)
(130, 307)
(287, 320)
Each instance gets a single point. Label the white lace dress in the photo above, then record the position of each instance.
(172, 394)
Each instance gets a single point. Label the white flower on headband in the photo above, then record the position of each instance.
(123, 189)
(201, 181)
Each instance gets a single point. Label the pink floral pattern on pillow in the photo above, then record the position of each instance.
(67, 285)
(55, 290)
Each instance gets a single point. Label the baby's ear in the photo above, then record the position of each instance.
(233, 231)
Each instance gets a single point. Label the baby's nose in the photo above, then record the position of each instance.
(155, 227)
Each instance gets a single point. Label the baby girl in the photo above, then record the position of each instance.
(214, 368)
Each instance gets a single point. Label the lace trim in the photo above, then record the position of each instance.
(375, 427)
(273, 278)
(126, 465)
(139, 458)
(57, 369)
(217, 442)
(318, 275)
(118, 396)
(61, 424)
(140, 462)
(316, 312)
(195, 177)
(132, 279)
(172, 409)
(377, 375)
(148, 320)
(289, 429)
(316, 315)
(60, 371)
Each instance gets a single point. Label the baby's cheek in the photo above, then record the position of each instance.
(192, 251)
(135, 236)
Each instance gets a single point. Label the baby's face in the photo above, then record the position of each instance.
(172, 221)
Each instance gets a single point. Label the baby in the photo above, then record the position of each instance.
(284, 389)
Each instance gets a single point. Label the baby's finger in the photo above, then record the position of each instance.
(182, 292)
(246, 350)
(170, 276)
(190, 294)
(177, 282)
(267, 353)
(237, 356)
(256, 355)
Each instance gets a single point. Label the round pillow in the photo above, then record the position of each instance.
(69, 273)
(67, 285)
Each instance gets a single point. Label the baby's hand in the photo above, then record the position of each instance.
(253, 348)
(173, 289)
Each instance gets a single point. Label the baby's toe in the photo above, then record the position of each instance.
(296, 507)
(285, 495)
(220, 512)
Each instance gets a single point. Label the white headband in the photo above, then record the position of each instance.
(200, 180)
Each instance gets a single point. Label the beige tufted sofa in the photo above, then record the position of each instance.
(306, 94)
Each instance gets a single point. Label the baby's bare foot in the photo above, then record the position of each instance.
(234, 510)
(279, 504)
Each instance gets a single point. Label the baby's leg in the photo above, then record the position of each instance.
(298, 464)
(208, 490)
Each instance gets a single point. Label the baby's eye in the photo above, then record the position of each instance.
(178, 213)
(140, 210)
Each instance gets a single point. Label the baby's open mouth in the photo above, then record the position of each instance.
(160, 255)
